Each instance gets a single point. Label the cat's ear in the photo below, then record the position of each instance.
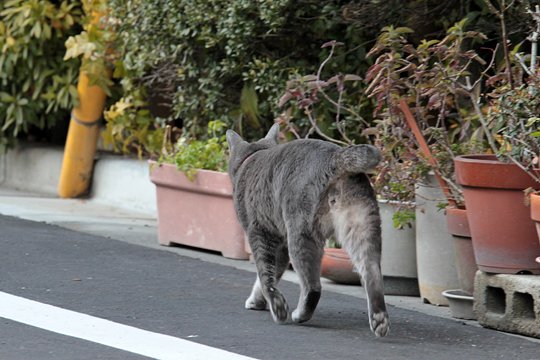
(233, 139)
(273, 133)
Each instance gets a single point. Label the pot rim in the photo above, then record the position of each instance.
(490, 158)
(486, 171)
(457, 294)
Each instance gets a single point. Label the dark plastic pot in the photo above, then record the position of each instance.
(504, 237)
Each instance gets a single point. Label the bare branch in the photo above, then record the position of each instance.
(319, 132)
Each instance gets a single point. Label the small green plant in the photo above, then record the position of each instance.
(403, 218)
(190, 155)
(332, 243)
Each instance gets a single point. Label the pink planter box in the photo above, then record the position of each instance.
(199, 213)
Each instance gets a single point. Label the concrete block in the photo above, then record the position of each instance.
(508, 303)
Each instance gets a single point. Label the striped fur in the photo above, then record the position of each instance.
(290, 198)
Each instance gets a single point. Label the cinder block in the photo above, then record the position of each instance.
(508, 303)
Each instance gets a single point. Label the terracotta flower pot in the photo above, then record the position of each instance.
(337, 266)
(535, 215)
(504, 237)
(458, 227)
(197, 213)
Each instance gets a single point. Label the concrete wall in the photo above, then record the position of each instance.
(123, 182)
(32, 168)
(117, 181)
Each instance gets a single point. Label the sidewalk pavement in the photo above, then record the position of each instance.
(122, 206)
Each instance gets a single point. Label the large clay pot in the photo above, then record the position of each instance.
(504, 237)
(197, 213)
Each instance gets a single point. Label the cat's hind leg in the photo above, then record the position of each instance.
(266, 250)
(256, 300)
(306, 254)
(357, 225)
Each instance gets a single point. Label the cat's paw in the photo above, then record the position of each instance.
(278, 307)
(380, 324)
(298, 317)
(306, 307)
(253, 303)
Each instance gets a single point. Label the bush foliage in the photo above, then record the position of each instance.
(36, 86)
(185, 63)
(228, 60)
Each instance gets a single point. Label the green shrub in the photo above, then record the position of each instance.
(185, 62)
(229, 60)
(37, 88)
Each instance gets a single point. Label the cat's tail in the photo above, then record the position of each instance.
(357, 159)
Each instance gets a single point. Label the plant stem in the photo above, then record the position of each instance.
(478, 111)
(319, 131)
(504, 35)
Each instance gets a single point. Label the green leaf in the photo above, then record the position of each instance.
(249, 104)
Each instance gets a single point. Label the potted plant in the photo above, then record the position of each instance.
(504, 238)
(194, 196)
(423, 125)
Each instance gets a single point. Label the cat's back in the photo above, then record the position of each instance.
(296, 171)
(284, 180)
(301, 159)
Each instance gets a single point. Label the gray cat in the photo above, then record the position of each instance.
(289, 198)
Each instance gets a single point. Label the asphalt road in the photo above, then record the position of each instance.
(202, 302)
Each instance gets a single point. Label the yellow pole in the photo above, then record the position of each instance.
(82, 134)
(81, 140)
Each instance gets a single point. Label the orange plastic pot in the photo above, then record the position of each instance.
(337, 266)
(504, 237)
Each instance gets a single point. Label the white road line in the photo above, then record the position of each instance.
(105, 332)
